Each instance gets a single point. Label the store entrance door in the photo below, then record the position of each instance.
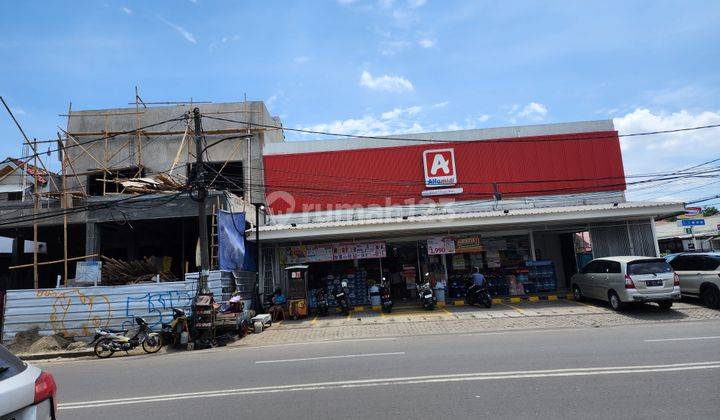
(402, 270)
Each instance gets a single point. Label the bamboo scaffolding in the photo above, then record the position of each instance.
(17, 267)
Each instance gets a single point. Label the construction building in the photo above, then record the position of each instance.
(124, 193)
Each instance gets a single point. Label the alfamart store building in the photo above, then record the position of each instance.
(526, 205)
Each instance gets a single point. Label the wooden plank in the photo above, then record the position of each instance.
(15, 267)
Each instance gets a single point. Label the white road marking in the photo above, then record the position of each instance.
(305, 343)
(345, 356)
(483, 376)
(711, 337)
(142, 356)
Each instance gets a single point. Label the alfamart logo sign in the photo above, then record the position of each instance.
(440, 170)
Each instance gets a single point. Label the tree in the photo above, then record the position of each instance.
(710, 211)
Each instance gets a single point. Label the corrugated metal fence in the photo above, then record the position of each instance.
(614, 239)
(78, 311)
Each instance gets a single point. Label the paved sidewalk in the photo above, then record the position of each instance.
(412, 320)
(463, 319)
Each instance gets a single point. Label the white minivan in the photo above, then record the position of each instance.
(699, 276)
(621, 280)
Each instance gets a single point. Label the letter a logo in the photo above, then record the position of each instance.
(439, 162)
(439, 168)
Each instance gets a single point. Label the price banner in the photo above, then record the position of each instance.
(441, 245)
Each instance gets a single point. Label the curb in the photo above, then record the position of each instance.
(55, 355)
(505, 300)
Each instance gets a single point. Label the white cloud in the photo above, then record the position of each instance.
(386, 83)
(223, 40)
(414, 4)
(442, 104)
(390, 48)
(668, 152)
(386, 4)
(368, 125)
(396, 121)
(18, 111)
(682, 96)
(346, 2)
(189, 37)
(427, 43)
(483, 117)
(270, 102)
(397, 112)
(301, 59)
(127, 10)
(533, 111)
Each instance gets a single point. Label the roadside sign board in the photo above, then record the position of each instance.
(692, 222)
(691, 212)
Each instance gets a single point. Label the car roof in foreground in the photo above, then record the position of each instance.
(628, 258)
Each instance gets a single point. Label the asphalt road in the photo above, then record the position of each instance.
(667, 370)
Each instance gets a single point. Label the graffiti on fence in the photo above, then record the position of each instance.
(74, 310)
(157, 306)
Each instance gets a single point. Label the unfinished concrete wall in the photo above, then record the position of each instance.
(158, 147)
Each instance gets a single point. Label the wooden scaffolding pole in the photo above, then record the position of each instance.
(137, 131)
(105, 156)
(17, 267)
(64, 205)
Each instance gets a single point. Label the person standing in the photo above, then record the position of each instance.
(477, 277)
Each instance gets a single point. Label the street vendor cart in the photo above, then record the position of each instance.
(297, 291)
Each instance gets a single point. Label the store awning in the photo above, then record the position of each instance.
(458, 222)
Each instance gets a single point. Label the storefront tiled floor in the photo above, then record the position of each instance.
(413, 320)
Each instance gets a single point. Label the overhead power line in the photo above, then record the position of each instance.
(701, 200)
(517, 139)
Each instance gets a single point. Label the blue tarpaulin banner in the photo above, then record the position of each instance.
(231, 240)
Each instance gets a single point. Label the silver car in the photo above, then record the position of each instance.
(699, 276)
(26, 392)
(621, 280)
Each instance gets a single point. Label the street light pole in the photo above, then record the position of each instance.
(202, 195)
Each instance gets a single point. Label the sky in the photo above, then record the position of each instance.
(383, 67)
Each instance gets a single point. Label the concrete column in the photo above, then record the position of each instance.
(655, 238)
(630, 240)
(17, 258)
(532, 246)
(92, 239)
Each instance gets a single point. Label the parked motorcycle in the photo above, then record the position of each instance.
(341, 297)
(177, 331)
(107, 341)
(427, 298)
(385, 300)
(321, 299)
(477, 294)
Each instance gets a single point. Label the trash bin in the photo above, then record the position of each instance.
(440, 291)
(374, 292)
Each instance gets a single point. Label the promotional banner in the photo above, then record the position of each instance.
(333, 252)
(468, 244)
(441, 245)
(231, 240)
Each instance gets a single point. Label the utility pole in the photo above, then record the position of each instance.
(36, 205)
(202, 195)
